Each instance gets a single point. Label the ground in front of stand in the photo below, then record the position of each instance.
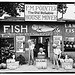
(33, 68)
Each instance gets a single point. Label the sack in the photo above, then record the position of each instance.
(3, 66)
(21, 60)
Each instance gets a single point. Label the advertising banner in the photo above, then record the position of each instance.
(57, 40)
(41, 12)
(19, 43)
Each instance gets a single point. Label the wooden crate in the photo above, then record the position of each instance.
(41, 63)
(13, 65)
(68, 65)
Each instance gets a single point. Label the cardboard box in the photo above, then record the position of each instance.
(41, 63)
(13, 65)
(67, 64)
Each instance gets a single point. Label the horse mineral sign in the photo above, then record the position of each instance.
(34, 12)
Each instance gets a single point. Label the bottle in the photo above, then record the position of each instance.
(66, 48)
(74, 45)
(70, 44)
(13, 56)
(66, 56)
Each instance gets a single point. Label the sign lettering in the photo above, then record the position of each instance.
(15, 29)
(34, 12)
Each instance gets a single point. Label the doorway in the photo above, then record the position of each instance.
(41, 41)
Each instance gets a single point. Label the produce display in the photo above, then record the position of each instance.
(41, 61)
(12, 64)
(5, 53)
(69, 45)
(67, 63)
(41, 54)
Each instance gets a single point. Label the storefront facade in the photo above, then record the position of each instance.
(18, 34)
(38, 32)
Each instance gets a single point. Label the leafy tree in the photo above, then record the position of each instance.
(10, 8)
(21, 7)
(62, 8)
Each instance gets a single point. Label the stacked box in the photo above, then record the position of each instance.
(67, 63)
(41, 63)
(12, 64)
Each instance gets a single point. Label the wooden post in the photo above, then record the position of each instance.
(51, 49)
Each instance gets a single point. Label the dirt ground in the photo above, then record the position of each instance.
(33, 68)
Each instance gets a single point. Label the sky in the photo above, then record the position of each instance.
(70, 13)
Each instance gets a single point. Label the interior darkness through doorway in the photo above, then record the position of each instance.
(40, 41)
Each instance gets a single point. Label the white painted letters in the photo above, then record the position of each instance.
(15, 29)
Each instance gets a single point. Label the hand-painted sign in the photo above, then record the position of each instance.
(15, 28)
(70, 28)
(41, 12)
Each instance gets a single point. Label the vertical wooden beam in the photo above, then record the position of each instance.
(51, 49)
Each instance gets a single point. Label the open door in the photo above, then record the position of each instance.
(41, 41)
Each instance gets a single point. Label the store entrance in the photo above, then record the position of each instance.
(41, 41)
